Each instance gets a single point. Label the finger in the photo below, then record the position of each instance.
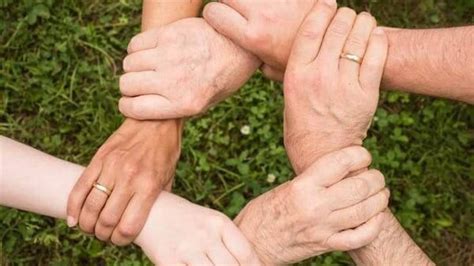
(311, 33)
(355, 189)
(94, 203)
(139, 83)
(133, 219)
(112, 212)
(336, 35)
(143, 60)
(356, 44)
(81, 190)
(239, 246)
(272, 73)
(153, 107)
(227, 21)
(219, 255)
(373, 63)
(360, 213)
(143, 41)
(358, 237)
(334, 166)
(240, 6)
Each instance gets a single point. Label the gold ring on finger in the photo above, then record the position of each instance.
(102, 188)
(352, 57)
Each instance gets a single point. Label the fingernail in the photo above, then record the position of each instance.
(71, 222)
(378, 30)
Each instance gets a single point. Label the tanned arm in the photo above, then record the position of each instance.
(437, 62)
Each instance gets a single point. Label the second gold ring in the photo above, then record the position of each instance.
(102, 188)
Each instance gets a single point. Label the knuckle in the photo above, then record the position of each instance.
(356, 42)
(257, 37)
(360, 188)
(339, 28)
(130, 169)
(309, 31)
(124, 83)
(91, 206)
(135, 43)
(360, 214)
(126, 63)
(193, 106)
(378, 176)
(107, 221)
(343, 159)
(128, 230)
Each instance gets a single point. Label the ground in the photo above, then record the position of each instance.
(59, 67)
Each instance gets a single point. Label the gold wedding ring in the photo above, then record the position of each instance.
(352, 57)
(102, 188)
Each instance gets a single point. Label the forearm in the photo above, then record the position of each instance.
(393, 246)
(161, 12)
(435, 62)
(157, 13)
(37, 182)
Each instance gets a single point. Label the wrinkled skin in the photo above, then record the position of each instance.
(180, 70)
(136, 169)
(330, 101)
(324, 209)
(266, 28)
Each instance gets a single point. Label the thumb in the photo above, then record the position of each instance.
(227, 22)
(147, 107)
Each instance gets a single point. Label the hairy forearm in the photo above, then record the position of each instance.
(392, 247)
(435, 62)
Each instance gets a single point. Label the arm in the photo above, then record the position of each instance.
(435, 62)
(329, 102)
(197, 232)
(135, 163)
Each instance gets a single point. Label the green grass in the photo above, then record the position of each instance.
(59, 64)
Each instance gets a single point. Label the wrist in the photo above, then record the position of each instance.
(303, 149)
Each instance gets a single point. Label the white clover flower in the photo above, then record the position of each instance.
(271, 178)
(245, 130)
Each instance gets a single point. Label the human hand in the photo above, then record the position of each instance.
(324, 209)
(180, 70)
(330, 101)
(266, 28)
(179, 232)
(135, 163)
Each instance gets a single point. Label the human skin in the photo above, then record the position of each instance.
(434, 62)
(177, 232)
(171, 64)
(137, 161)
(335, 216)
(330, 86)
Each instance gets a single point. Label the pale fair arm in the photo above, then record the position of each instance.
(34, 181)
(436, 62)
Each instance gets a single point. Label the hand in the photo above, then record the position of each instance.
(180, 70)
(321, 210)
(178, 232)
(330, 101)
(266, 28)
(135, 163)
